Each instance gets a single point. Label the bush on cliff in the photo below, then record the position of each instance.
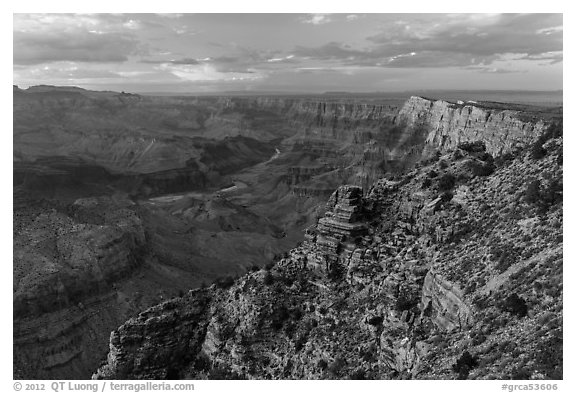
(532, 193)
(537, 151)
(426, 183)
(479, 168)
(472, 147)
(515, 305)
(555, 130)
(464, 364)
(268, 278)
(446, 182)
(336, 272)
(544, 197)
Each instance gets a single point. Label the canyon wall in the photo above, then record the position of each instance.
(387, 283)
(383, 240)
(449, 124)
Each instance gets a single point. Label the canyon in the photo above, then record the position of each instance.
(127, 208)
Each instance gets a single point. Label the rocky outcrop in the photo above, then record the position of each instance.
(447, 124)
(59, 261)
(444, 303)
(160, 342)
(66, 269)
(341, 227)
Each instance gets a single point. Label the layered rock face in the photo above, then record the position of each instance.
(147, 347)
(80, 270)
(431, 277)
(59, 261)
(450, 312)
(66, 266)
(449, 124)
(341, 227)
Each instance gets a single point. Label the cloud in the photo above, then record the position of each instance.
(36, 48)
(550, 57)
(331, 51)
(45, 38)
(132, 24)
(208, 72)
(187, 60)
(451, 41)
(316, 19)
(284, 59)
(473, 38)
(67, 71)
(494, 70)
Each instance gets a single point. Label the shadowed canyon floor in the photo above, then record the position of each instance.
(123, 201)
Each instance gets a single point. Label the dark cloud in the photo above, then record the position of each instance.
(333, 51)
(83, 46)
(460, 40)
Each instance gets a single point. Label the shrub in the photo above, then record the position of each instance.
(472, 147)
(520, 373)
(406, 301)
(358, 375)
(268, 278)
(336, 366)
(479, 168)
(375, 321)
(537, 151)
(446, 182)
(549, 356)
(288, 281)
(506, 157)
(553, 193)
(505, 255)
(426, 183)
(463, 365)
(515, 305)
(279, 316)
(544, 198)
(532, 193)
(555, 130)
(300, 342)
(335, 271)
(202, 363)
(220, 373)
(296, 313)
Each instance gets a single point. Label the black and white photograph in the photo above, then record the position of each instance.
(287, 196)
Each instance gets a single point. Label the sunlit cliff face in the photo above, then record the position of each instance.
(289, 52)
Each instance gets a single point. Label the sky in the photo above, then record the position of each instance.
(297, 53)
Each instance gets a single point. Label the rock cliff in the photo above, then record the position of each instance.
(405, 281)
(448, 124)
(80, 270)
